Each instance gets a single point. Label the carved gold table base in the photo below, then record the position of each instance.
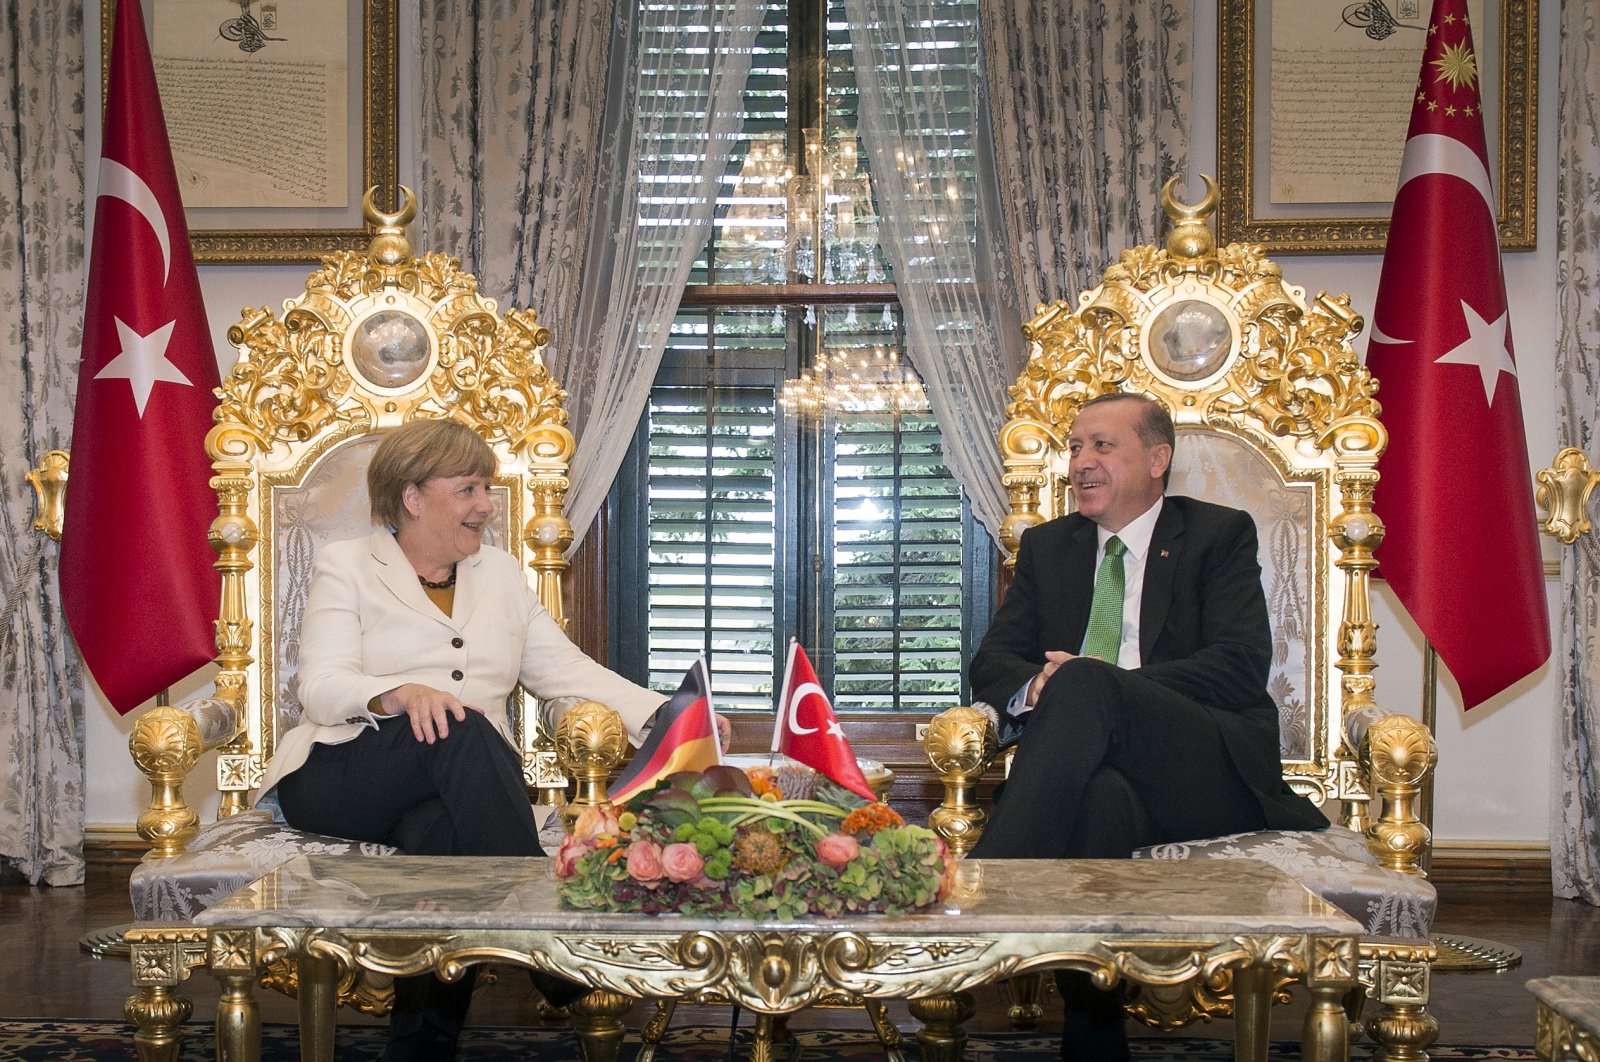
(1567, 1018)
(1173, 931)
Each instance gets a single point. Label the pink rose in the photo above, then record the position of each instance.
(594, 821)
(682, 862)
(568, 854)
(644, 862)
(837, 849)
(947, 880)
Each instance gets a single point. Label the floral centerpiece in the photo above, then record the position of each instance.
(763, 844)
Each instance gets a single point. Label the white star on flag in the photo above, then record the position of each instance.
(143, 362)
(1485, 348)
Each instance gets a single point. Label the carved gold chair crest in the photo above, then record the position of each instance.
(1275, 415)
(375, 340)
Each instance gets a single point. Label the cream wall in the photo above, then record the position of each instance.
(1493, 781)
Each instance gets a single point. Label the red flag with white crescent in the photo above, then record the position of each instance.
(137, 581)
(1461, 547)
(808, 731)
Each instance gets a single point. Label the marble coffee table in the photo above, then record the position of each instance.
(1167, 928)
(1568, 1018)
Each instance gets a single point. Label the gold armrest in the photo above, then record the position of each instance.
(961, 743)
(166, 743)
(1397, 754)
(591, 743)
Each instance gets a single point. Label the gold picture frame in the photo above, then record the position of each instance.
(1244, 215)
(305, 234)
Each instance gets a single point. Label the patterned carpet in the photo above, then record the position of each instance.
(88, 1041)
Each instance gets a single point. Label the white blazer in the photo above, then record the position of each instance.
(370, 627)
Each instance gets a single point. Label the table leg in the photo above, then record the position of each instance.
(238, 1018)
(1326, 1035)
(769, 1030)
(318, 992)
(651, 1035)
(597, 1021)
(1252, 1006)
(888, 1035)
(942, 1038)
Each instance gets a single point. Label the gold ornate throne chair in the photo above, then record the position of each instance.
(1275, 415)
(375, 339)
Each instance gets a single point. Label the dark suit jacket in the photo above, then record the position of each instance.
(1203, 630)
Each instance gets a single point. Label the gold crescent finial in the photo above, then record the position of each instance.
(378, 221)
(1191, 232)
(389, 246)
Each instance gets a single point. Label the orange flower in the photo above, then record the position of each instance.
(871, 818)
(616, 854)
(763, 780)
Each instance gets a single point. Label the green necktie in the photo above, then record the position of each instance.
(1103, 639)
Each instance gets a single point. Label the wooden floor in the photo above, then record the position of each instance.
(44, 974)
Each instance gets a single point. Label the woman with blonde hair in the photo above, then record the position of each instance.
(413, 640)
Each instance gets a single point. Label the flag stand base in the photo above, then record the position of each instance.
(1459, 954)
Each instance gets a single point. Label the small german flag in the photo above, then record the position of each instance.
(682, 738)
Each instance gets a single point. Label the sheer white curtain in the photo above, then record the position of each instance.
(1091, 116)
(571, 155)
(674, 117)
(1575, 814)
(41, 325)
(924, 125)
(513, 95)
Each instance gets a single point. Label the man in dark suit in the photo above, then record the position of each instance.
(1129, 661)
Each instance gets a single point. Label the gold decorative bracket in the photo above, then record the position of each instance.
(49, 483)
(1564, 492)
(591, 742)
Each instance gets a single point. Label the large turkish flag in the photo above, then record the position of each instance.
(137, 580)
(1461, 548)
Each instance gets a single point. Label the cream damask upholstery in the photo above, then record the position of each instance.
(1275, 415)
(375, 339)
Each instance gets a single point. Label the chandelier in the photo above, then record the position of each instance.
(848, 380)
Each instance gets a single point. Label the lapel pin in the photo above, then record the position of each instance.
(1164, 553)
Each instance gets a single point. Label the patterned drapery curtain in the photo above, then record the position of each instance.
(513, 97)
(1575, 816)
(41, 322)
(547, 189)
(1091, 116)
(925, 129)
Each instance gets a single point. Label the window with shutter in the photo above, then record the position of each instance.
(740, 519)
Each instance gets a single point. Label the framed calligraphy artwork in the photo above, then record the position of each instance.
(1313, 102)
(281, 114)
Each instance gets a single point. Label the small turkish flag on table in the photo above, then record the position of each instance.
(137, 581)
(808, 731)
(1461, 548)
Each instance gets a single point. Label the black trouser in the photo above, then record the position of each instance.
(1110, 762)
(461, 796)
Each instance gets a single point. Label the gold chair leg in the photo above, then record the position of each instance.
(1403, 1032)
(1024, 992)
(157, 1010)
(597, 1021)
(239, 1021)
(941, 1037)
(1325, 1037)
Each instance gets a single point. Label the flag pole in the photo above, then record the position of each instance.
(1456, 953)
